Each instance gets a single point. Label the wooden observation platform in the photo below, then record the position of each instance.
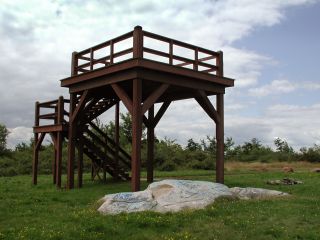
(140, 69)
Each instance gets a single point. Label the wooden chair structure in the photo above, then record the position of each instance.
(140, 69)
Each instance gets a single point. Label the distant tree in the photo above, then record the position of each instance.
(282, 146)
(193, 146)
(254, 144)
(3, 138)
(209, 145)
(126, 127)
(21, 147)
(311, 154)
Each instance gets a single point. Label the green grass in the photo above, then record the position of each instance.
(43, 212)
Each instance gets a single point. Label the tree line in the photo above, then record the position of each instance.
(169, 155)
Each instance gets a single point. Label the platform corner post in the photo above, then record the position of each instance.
(220, 140)
(138, 42)
(150, 143)
(136, 135)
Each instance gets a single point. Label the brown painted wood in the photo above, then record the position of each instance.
(123, 96)
(150, 142)
(71, 143)
(74, 64)
(79, 106)
(38, 145)
(160, 113)
(220, 64)
(136, 135)
(50, 128)
(59, 159)
(80, 160)
(35, 160)
(137, 42)
(35, 150)
(117, 135)
(220, 141)
(154, 97)
(207, 106)
(54, 160)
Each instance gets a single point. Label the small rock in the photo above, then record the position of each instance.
(287, 169)
(255, 193)
(274, 182)
(284, 181)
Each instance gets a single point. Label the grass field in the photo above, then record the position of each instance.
(43, 212)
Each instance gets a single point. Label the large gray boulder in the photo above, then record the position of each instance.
(176, 195)
(166, 196)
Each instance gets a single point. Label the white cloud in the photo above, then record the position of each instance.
(282, 86)
(275, 87)
(18, 135)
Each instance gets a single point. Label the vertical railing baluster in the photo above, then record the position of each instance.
(196, 59)
(60, 110)
(91, 59)
(220, 64)
(171, 52)
(74, 64)
(111, 52)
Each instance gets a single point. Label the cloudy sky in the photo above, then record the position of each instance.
(271, 48)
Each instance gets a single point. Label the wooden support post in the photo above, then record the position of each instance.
(150, 140)
(59, 159)
(59, 139)
(117, 136)
(80, 159)
(136, 135)
(220, 140)
(54, 165)
(54, 161)
(35, 150)
(71, 143)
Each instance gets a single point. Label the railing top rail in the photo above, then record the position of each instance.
(179, 43)
(106, 43)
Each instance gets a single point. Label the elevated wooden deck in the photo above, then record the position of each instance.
(138, 69)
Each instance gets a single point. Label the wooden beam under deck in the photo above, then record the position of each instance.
(51, 128)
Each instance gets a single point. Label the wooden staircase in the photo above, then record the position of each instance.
(105, 155)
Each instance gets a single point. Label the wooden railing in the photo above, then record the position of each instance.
(133, 45)
(57, 113)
